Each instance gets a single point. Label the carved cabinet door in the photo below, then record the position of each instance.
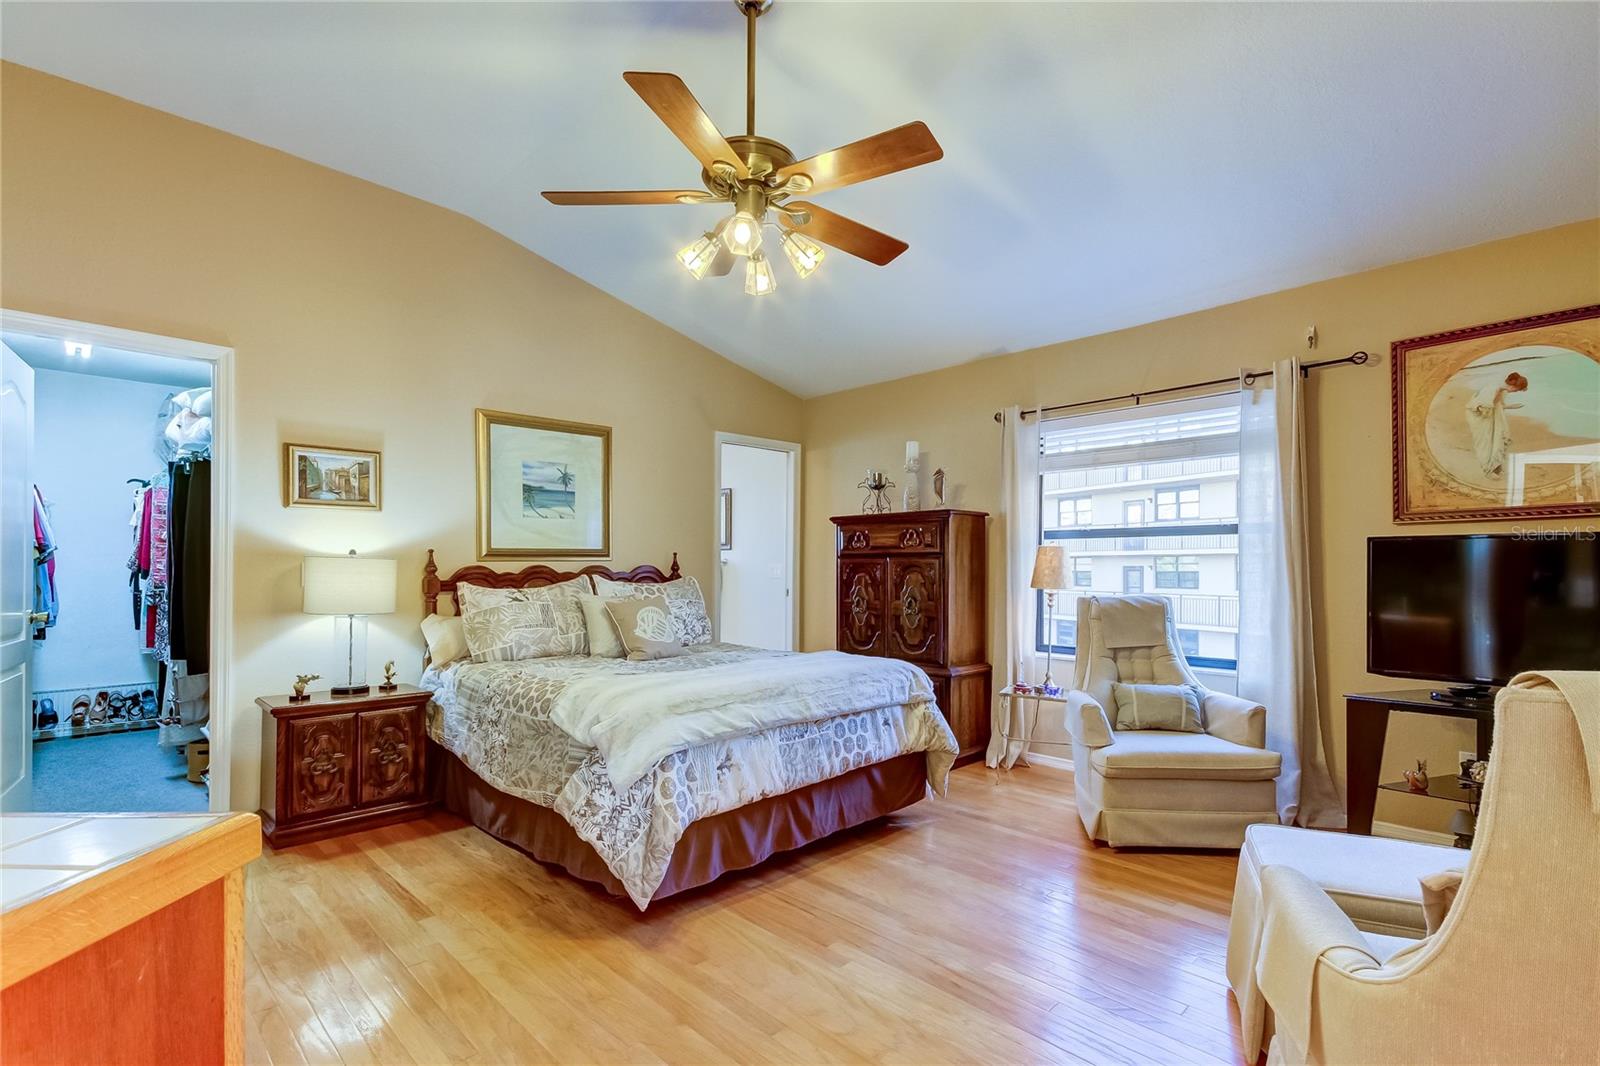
(861, 596)
(916, 596)
(322, 764)
(391, 756)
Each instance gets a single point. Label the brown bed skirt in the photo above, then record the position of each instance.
(710, 847)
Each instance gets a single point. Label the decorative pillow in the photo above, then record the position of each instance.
(505, 624)
(1438, 894)
(603, 642)
(644, 625)
(446, 640)
(687, 605)
(1174, 707)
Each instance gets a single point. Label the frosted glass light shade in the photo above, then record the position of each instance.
(805, 254)
(1049, 568)
(758, 277)
(698, 257)
(741, 233)
(347, 584)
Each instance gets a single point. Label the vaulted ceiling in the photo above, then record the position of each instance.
(1105, 164)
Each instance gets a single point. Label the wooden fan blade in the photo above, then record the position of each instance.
(901, 148)
(676, 106)
(847, 235)
(633, 196)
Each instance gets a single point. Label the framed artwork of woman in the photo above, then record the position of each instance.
(1499, 421)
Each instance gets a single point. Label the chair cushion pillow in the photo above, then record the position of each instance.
(1173, 707)
(644, 625)
(1184, 756)
(1438, 894)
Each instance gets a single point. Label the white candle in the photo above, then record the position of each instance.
(913, 449)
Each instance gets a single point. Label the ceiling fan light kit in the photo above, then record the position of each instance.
(758, 175)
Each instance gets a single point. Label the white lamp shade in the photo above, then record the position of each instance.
(1049, 568)
(347, 584)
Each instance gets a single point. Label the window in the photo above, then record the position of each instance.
(1177, 572)
(1171, 472)
(1180, 504)
(1077, 511)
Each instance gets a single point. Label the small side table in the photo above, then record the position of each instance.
(1366, 723)
(1037, 696)
(344, 763)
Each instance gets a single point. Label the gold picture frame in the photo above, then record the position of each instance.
(1497, 421)
(544, 487)
(328, 475)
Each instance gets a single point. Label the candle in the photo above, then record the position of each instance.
(913, 449)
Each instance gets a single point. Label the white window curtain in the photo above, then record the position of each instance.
(1276, 666)
(1019, 505)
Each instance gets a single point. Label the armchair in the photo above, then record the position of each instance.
(1513, 974)
(1155, 787)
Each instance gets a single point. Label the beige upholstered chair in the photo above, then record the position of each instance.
(1153, 787)
(1513, 974)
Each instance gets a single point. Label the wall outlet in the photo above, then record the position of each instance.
(1466, 757)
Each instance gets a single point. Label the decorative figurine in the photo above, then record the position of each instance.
(1417, 780)
(300, 695)
(938, 488)
(388, 678)
(911, 498)
(877, 484)
(1479, 772)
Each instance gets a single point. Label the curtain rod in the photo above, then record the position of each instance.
(1248, 378)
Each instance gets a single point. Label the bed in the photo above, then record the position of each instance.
(652, 778)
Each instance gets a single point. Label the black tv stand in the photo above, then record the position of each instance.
(1366, 725)
(1471, 694)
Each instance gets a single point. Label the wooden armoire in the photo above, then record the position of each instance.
(913, 585)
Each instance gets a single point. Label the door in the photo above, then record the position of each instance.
(1132, 579)
(16, 582)
(755, 520)
(916, 605)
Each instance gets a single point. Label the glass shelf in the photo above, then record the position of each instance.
(1445, 788)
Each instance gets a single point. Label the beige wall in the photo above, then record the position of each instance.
(950, 412)
(359, 316)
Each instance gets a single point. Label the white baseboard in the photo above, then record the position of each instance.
(1056, 761)
(1411, 833)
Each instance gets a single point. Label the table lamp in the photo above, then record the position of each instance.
(349, 588)
(1048, 574)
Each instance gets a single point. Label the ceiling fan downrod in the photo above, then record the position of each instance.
(753, 9)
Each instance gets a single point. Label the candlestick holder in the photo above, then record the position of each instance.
(877, 484)
(910, 497)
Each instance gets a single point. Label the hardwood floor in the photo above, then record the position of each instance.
(983, 927)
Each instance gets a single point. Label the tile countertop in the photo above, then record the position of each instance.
(41, 854)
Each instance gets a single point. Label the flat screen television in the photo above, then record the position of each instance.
(1475, 610)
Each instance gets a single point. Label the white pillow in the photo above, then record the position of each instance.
(684, 601)
(603, 640)
(447, 642)
(506, 624)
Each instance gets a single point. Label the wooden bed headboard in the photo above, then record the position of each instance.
(527, 578)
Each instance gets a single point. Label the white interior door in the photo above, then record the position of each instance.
(16, 582)
(756, 605)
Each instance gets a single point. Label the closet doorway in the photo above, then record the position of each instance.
(758, 485)
(113, 629)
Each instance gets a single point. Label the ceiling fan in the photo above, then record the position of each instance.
(758, 175)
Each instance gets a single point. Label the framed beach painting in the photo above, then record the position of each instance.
(544, 487)
(316, 475)
(1499, 421)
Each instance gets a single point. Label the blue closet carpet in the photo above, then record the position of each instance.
(111, 773)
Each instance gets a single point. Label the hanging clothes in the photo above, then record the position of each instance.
(45, 601)
(189, 552)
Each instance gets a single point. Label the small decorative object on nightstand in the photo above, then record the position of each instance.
(299, 695)
(1417, 779)
(911, 498)
(388, 678)
(343, 762)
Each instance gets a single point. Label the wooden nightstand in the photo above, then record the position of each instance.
(343, 763)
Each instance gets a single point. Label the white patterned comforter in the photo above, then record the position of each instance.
(496, 717)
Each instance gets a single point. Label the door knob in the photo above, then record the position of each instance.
(38, 618)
